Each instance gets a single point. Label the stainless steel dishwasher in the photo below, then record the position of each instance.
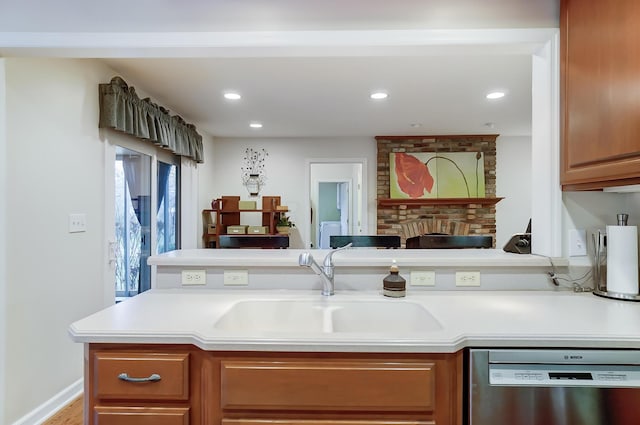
(553, 387)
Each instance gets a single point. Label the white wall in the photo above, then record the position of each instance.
(633, 208)
(3, 251)
(55, 167)
(285, 171)
(513, 182)
(590, 210)
(54, 160)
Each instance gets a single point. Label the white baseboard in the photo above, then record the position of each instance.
(53, 405)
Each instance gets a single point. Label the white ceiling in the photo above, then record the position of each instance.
(305, 68)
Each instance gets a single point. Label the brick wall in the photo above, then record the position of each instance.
(481, 217)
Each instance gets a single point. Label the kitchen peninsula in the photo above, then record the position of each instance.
(264, 351)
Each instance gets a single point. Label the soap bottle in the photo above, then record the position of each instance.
(394, 285)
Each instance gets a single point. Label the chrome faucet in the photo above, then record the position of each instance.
(325, 272)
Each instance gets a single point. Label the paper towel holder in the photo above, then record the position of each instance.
(616, 295)
(599, 248)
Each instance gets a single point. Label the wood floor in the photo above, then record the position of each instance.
(71, 414)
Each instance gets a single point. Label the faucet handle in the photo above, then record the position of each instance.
(328, 260)
(343, 247)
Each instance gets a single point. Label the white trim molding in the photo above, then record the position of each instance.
(3, 239)
(546, 195)
(271, 43)
(53, 405)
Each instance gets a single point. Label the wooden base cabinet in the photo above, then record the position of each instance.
(270, 388)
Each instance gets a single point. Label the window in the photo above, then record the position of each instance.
(168, 214)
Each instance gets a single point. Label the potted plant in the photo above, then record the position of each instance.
(284, 224)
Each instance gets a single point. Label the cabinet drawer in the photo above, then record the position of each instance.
(141, 415)
(323, 422)
(328, 385)
(171, 369)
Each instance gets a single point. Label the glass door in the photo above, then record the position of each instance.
(132, 222)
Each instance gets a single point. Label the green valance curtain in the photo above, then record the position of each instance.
(122, 110)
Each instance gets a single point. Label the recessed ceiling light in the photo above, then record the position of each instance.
(416, 125)
(255, 125)
(495, 95)
(379, 95)
(232, 96)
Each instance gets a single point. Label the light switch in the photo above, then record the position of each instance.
(577, 243)
(77, 223)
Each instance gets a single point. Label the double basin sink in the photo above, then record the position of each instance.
(326, 315)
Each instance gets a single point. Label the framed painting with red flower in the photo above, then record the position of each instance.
(436, 175)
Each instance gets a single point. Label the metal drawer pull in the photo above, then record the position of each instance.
(151, 378)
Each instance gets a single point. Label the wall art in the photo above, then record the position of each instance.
(436, 175)
(253, 171)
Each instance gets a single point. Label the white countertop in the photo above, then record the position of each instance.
(468, 319)
(355, 257)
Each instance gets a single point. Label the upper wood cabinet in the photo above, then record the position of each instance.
(600, 93)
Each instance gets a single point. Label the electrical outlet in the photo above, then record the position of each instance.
(423, 278)
(577, 243)
(467, 278)
(236, 277)
(194, 277)
(77, 223)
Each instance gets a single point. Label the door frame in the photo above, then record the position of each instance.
(359, 195)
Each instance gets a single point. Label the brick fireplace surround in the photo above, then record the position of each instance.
(480, 215)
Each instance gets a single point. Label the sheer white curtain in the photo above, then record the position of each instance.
(189, 204)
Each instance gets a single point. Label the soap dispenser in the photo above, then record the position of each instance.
(394, 285)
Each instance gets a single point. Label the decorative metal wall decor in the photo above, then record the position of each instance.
(253, 171)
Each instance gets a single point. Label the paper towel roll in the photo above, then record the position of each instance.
(622, 259)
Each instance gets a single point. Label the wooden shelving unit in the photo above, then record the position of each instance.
(209, 218)
(227, 213)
